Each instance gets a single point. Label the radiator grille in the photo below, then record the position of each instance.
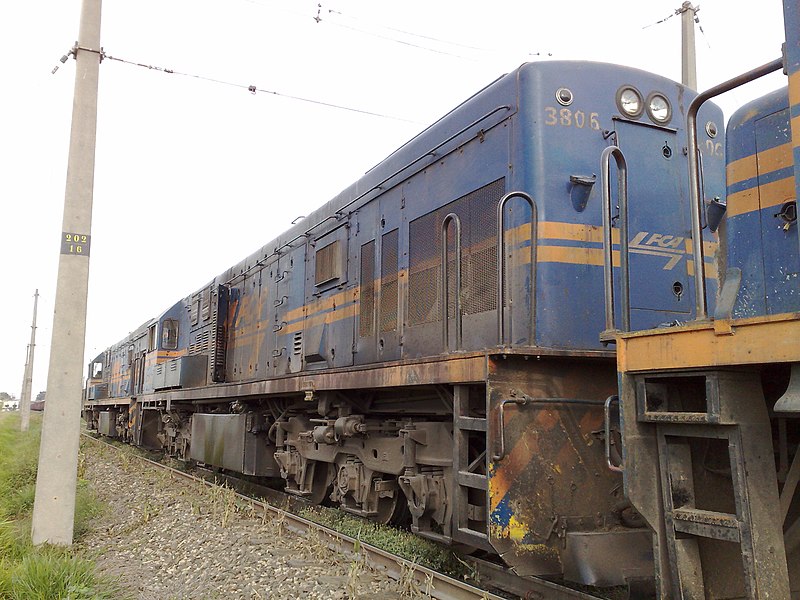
(478, 214)
(388, 315)
(366, 320)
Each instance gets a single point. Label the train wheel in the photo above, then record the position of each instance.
(321, 482)
(393, 510)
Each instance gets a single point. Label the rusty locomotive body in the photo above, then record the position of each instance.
(426, 347)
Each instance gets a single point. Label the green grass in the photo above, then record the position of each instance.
(402, 543)
(39, 573)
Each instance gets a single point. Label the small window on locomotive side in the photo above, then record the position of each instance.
(328, 264)
(169, 335)
(152, 337)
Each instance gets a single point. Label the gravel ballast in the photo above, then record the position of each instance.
(165, 537)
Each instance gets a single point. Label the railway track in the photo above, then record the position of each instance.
(430, 582)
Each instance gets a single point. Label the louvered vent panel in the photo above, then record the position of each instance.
(200, 345)
(206, 304)
(388, 314)
(297, 346)
(366, 317)
(327, 263)
(219, 311)
(194, 310)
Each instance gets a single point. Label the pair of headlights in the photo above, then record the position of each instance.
(631, 104)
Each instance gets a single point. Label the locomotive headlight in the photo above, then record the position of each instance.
(658, 108)
(629, 101)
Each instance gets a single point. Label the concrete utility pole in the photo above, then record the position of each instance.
(54, 505)
(688, 58)
(27, 380)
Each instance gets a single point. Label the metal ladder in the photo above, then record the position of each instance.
(708, 499)
(469, 475)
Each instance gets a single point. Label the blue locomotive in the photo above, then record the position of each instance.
(431, 346)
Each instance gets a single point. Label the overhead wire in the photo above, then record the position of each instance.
(253, 89)
(319, 18)
(398, 41)
(661, 21)
(406, 32)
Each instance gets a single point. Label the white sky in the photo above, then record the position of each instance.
(229, 170)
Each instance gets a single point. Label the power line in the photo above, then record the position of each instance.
(250, 88)
(405, 32)
(679, 11)
(318, 18)
(398, 41)
(662, 20)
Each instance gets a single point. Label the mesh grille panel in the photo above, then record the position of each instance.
(478, 214)
(365, 323)
(388, 316)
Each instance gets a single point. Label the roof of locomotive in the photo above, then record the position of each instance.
(400, 161)
(740, 140)
(766, 104)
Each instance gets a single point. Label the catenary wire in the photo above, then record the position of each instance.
(251, 88)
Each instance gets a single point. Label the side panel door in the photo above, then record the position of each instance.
(364, 256)
(330, 300)
(658, 224)
(388, 244)
(776, 193)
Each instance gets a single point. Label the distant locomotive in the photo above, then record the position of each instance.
(426, 347)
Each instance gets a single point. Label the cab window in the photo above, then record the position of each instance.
(169, 334)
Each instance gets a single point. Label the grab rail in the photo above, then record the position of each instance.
(446, 288)
(607, 434)
(701, 303)
(501, 264)
(526, 400)
(608, 264)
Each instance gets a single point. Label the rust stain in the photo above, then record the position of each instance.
(507, 470)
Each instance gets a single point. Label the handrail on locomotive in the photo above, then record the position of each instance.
(445, 291)
(608, 223)
(501, 264)
(696, 201)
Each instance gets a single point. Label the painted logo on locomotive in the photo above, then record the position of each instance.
(670, 247)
